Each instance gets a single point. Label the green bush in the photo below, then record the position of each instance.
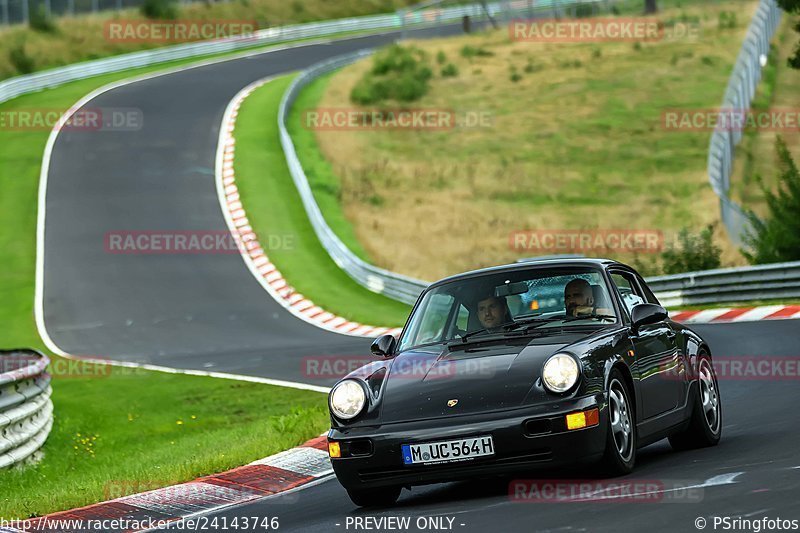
(777, 238)
(21, 60)
(692, 252)
(159, 9)
(41, 21)
(449, 71)
(398, 73)
(441, 58)
(475, 51)
(726, 20)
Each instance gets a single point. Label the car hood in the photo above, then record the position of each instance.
(435, 381)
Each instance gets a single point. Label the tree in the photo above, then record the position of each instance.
(651, 7)
(777, 238)
(793, 7)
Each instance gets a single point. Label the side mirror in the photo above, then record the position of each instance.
(384, 346)
(644, 314)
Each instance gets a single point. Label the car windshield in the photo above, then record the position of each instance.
(507, 303)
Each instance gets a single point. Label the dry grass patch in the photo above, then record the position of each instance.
(576, 142)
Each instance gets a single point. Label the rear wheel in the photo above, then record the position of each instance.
(620, 453)
(380, 497)
(705, 427)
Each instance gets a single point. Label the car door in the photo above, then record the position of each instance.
(657, 356)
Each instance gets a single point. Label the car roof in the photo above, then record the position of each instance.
(528, 263)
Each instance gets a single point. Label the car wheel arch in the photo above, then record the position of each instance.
(628, 377)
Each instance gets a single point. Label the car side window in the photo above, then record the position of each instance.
(626, 287)
(648, 294)
(462, 318)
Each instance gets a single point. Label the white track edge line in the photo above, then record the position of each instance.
(42, 195)
(229, 122)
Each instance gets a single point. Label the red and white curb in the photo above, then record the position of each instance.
(253, 253)
(276, 474)
(741, 314)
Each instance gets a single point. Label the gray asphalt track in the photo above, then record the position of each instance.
(207, 311)
(186, 311)
(759, 441)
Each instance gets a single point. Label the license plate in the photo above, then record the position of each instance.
(448, 451)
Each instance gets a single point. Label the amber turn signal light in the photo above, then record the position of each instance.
(583, 419)
(334, 450)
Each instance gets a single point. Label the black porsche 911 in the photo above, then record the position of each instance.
(486, 380)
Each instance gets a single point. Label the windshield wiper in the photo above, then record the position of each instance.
(584, 317)
(527, 322)
(503, 328)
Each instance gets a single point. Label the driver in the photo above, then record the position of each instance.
(578, 298)
(492, 312)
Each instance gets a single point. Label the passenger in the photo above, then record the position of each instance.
(492, 312)
(578, 298)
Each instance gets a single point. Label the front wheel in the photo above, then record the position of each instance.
(620, 452)
(381, 497)
(705, 426)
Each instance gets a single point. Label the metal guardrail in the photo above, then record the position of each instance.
(738, 97)
(379, 280)
(762, 282)
(29, 83)
(26, 411)
(19, 85)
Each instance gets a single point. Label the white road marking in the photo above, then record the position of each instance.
(722, 479)
(48, 152)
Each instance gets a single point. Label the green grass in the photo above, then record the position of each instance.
(235, 423)
(82, 38)
(20, 164)
(131, 431)
(324, 182)
(274, 208)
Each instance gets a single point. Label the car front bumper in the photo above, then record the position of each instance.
(524, 439)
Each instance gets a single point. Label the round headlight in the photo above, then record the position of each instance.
(560, 372)
(347, 399)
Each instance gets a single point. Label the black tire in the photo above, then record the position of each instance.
(705, 425)
(380, 497)
(619, 457)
